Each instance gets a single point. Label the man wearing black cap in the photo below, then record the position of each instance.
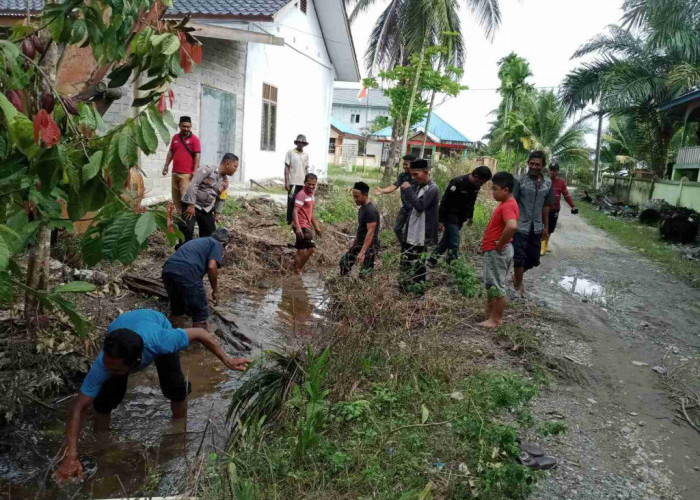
(560, 189)
(185, 151)
(456, 208)
(422, 225)
(296, 166)
(402, 216)
(365, 247)
(183, 273)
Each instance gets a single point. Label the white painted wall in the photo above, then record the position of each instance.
(303, 74)
(344, 114)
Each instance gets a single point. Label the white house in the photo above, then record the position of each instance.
(267, 75)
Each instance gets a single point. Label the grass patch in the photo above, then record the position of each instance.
(645, 240)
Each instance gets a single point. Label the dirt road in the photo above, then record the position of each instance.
(625, 439)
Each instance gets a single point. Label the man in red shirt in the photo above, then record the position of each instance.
(185, 151)
(497, 247)
(302, 220)
(559, 186)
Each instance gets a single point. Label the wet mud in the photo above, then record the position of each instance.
(143, 449)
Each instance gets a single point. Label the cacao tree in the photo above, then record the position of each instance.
(59, 162)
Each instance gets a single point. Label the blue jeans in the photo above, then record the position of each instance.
(448, 243)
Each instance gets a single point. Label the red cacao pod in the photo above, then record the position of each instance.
(47, 102)
(70, 106)
(15, 97)
(39, 44)
(28, 48)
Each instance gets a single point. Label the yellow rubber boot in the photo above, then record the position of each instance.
(543, 249)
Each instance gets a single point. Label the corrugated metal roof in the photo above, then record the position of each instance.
(439, 128)
(348, 97)
(343, 128)
(246, 8)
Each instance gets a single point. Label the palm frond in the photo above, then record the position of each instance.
(488, 15)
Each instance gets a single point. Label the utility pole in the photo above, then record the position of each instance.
(596, 168)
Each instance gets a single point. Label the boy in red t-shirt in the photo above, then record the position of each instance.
(302, 220)
(497, 247)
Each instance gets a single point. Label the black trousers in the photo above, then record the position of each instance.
(172, 384)
(291, 195)
(413, 268)
(350, 258)
(205, 221)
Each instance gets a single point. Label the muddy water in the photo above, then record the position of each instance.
(142, 445)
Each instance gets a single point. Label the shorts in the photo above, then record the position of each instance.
(186, 298)
(496, 268)
(306, 240)
(553, 218)
(527, 248)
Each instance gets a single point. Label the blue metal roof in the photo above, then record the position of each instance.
(239, 8)
(343, 128)
(439, 129)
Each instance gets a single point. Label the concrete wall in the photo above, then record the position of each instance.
(643, 190)
(223, 67)
(303, 74)
(344, 114)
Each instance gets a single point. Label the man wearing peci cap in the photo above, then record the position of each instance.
(185, 152)
(296, 166)
(183, 273)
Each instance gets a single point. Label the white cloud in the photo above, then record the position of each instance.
(545, 32)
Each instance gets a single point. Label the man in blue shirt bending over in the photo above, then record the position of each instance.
(135, 340)
(183, 273)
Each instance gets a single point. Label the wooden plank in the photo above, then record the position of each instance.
(222, 33)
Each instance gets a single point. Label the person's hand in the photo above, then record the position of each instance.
(405, 185)
(215, 297)
(545, 232)
(189, 213)
(165, 171)
(499, 248)
(377, 190)
(441, 227)
(297, 231)
(470, 222)
(217, 217)
(319, 232)
(70, 468)
(361, 257)
(237, 364)
(574, 211)
(287, 186)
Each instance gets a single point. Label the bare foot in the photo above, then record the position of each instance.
(489, 324)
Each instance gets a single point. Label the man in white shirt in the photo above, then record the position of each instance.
(296, 166)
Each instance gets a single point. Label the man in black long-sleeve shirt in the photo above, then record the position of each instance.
(456, 208)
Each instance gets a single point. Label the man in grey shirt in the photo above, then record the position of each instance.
(535, 196)
(421, 228)
(203, 195)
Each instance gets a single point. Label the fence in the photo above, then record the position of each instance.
(638, 191)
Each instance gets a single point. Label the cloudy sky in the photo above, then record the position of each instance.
(545, 32)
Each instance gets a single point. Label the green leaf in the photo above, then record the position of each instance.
(92, 168)
(92, 247)
(169, 45)
(154, 84)
(74, 287)
(22, 135)
(143, 101)
(120, 76)
(169, 119)
(163, 130)
(79, 31)
(7, 108)
(49, 168)
(3, 147)
(145, 226)
(86, 115)
(18, 220)
(4, 254)
(127, 148)
(148, 134)
(119, 239)
(424, 414)
(5, 287)
(79, 322)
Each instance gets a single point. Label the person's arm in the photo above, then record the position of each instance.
(424, 202)
(385, 190)
(168, 159)
(549, 202)
(70, 466)
(190, 196)
(371, 229)
(212, 272)
(442, 209)
(471, 201)
(516, 190)
(209, 341)
(316, 225)
(567, 196)
(295, 218)
(508, 233)
(197, 157)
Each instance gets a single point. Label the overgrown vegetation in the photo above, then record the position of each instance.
(645, 240)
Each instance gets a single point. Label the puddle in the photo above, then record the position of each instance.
(584, 288)
(143, 444)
